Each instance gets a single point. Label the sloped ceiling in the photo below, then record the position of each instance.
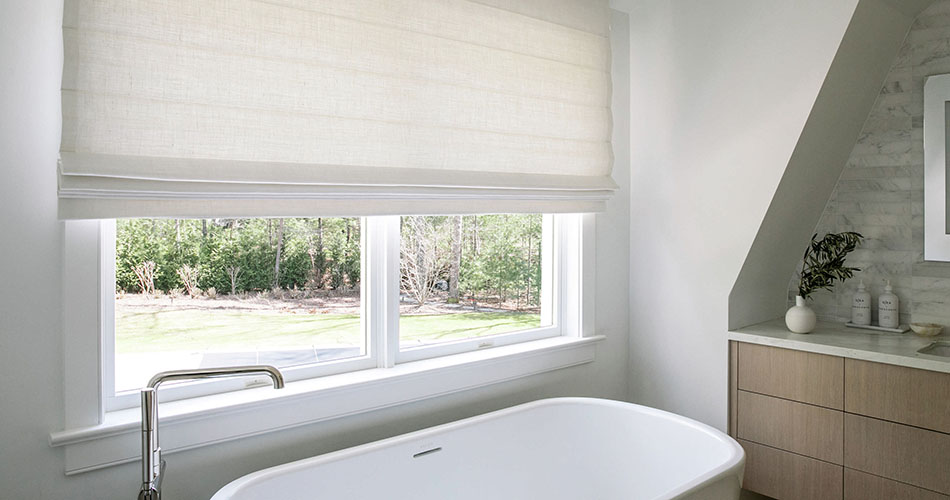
(847, 96)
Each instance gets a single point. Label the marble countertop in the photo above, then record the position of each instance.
(838, 340)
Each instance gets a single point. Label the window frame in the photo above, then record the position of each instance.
(380, 261)
(198, 388)
(95, 438)
(551, 263)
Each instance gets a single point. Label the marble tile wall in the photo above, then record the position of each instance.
(880, 191)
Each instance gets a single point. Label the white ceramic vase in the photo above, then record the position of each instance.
(800, 318)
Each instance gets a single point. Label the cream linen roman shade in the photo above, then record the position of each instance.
(211, 108)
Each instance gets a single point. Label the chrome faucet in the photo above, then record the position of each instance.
(153, 467)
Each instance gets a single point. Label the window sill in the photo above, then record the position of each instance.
(197, 422)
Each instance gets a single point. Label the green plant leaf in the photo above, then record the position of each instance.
(824, 261)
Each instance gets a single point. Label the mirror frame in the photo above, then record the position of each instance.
(936, 103)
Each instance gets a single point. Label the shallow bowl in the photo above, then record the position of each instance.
(926, 329)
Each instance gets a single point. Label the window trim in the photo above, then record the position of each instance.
(95, 439)
(197, 422)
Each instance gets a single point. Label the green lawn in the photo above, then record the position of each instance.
(199, 330)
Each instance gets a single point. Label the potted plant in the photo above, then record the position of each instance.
(823, 265)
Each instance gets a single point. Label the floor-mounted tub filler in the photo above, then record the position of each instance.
(153, 466)
(553, 449)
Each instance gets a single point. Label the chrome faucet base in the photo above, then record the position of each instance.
(153, 489)
(149, 495)
(153, 467)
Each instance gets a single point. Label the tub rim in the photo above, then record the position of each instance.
(733, 465)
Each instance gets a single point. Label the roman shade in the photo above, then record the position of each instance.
(326, 107)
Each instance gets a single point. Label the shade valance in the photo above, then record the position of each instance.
(307, 107)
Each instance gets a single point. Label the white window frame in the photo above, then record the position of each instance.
(97, 436)
(550, 317)
(192, 389)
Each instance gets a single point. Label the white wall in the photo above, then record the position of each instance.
(720, 92)
(31, 401)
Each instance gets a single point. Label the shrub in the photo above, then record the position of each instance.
(189, 278)
(145, 272)
(498, 255)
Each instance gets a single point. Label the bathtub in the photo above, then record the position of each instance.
(553, 449)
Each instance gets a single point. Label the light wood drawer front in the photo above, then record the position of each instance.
(787, 476)
(906, 454)
(804, 429)
(897, 393)
(800, 376)
(861, 486)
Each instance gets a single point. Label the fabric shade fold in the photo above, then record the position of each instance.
(176, 108)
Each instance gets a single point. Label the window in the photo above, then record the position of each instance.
(193, 293)
(196, 293)
(380, 117)
(102, 423)
(473, 281)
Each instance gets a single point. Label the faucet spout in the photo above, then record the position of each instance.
(229, 371)
(153, 467)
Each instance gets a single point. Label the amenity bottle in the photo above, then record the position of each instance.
(861, 306)
(888, 307)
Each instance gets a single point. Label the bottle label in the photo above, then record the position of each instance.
(861, 313)
(888, 315)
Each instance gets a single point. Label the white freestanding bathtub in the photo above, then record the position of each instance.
(553, 449)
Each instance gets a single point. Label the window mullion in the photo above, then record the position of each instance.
(550, 272)
(569, 280)
(382, 288)
(393, 277)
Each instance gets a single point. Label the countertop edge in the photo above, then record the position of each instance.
(778, 336)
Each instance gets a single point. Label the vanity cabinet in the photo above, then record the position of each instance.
(780, 474)
(905, 395)
(900, 452)
(822, 427)
(862, 486)
(801, 376)
(800, 428)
